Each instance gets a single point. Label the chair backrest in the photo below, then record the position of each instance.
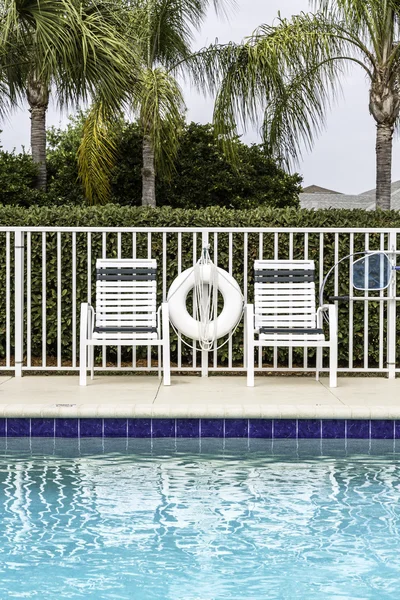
(284, 294)
(126, 291)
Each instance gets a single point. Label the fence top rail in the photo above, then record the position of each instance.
(200, 230)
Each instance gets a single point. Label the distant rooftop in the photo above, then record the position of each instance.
(316, 189)
(395, 190)
(328, 199)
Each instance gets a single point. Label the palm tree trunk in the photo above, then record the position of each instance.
(38, 98)
(384, 143)
(148, 174)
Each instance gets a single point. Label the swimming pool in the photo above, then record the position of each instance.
(199, 519)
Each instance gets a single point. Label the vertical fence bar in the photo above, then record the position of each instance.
(245, 264)
(276, 255)
(149, 256)
(119, 245)
(19, 301)
(230, 267)
(351, 302)
(290, 350)
(336, 259)
(366, 307)
(164, 266)
(74, 298)
(245, 277)
(44, 324)
(305, 355)
(164, 279)
(104, 245)
(59, 299)
(381, 308)
(336, 279)
(260, 257)
(8, 300)
(391, 318)
(89, 267)
(179, 346)
(119, 255)
(321, 269)
(194, 356)
(104, 256)
(28, 299)
(215, 351)
(204, 353)
(134, 242)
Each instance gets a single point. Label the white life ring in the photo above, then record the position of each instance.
(231, 312)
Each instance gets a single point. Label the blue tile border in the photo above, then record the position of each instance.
(18, 427)
(284, 429)
(91, 428)
(66, 428)
(139, 428)
(215, 428)
(42, 427)
(379, 429)
(333, 429)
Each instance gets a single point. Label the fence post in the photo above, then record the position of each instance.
(204, 353)
(19, 300)
(391, 312)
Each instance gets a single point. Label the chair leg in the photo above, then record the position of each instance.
(318, 362)
(159, 362)
(250, 345)
(82, 364)
(91, 354)
(333, 365)
(250, 365)
(245, 343)
(166, 344)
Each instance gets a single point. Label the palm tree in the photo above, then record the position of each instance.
(61, 47)
(293, 70)
(160, 33)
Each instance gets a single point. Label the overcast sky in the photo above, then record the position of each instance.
(343, 158)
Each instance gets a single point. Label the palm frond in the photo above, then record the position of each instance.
(283, 78)
(161, 115)
(97, 154)
(165, 29)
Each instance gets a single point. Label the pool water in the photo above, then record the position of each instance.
(199, 520)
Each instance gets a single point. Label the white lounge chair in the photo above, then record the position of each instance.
(284, 313)
(126, 313)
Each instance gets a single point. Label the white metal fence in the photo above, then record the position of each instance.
(46, 272)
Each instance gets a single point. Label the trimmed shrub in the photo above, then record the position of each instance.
(17, 180)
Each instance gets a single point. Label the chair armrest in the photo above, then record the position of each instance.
(332, 318)
(87, 319)
(249, 316)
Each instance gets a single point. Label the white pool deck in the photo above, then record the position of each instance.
(217, 396)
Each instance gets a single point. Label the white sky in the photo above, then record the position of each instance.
(343, 158)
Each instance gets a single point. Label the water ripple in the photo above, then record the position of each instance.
(169, 521)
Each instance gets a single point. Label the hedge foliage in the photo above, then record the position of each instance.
(201, 177)
(112, 216)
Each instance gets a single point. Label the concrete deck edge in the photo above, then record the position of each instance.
(189, 412)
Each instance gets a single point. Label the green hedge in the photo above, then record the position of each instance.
(112, 216)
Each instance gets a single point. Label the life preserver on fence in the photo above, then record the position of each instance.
(228, 287)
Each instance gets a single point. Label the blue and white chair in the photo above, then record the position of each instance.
(284, 313)
(125, 314)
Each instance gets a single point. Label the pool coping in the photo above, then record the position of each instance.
(193, 407)
(226, 399)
